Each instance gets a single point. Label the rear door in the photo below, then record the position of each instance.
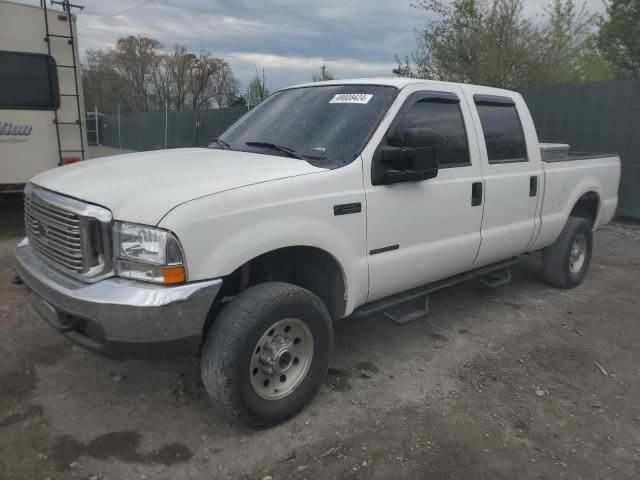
(512, 177)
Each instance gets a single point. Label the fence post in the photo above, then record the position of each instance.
(119, 135)
(95, 113)
(197, 125)
(166, 121)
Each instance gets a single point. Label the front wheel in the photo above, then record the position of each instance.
(267, 353)
(565, 263)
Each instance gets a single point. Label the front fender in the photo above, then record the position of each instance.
(221, 232)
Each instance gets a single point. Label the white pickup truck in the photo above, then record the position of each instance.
(328, 200)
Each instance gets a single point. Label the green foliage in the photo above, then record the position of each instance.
(492, 42)
(323, 75)
(239, 101)
(257, 91)
(619, 37)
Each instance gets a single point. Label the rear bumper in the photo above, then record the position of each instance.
(116, 317)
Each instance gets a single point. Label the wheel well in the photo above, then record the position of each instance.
(587, 207)
(308, 267)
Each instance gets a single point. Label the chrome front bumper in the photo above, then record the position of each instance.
(117, 317)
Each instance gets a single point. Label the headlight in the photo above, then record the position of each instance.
(147, 253)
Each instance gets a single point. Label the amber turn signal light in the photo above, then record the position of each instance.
(174, 274)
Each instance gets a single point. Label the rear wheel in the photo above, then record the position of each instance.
(267, 353)
(565, 263)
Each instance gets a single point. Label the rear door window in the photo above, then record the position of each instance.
(28, 81)
(503, 134)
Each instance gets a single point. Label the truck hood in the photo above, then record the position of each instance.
(143, 187)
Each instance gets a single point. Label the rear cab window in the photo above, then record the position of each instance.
(502, 129)
(28, 81)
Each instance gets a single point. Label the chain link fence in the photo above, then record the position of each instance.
(159, 130)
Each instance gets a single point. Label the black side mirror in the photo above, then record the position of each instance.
(410, 155)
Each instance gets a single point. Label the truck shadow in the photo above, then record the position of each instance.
(11, 217)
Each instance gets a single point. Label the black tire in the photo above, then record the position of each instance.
(230, 343)
(557, 260)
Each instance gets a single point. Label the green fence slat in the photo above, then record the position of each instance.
(597, 116)
(184, 129)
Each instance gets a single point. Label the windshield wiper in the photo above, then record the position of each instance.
(289, 151)
(222, 143)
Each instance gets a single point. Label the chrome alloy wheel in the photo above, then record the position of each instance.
(281, 359)
(578, 254)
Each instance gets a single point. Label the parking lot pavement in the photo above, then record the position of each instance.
(524, 381)
(97, 151)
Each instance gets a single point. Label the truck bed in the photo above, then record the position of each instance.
(569, 178)
(560, 152)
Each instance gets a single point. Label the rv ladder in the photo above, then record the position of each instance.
(66, 7)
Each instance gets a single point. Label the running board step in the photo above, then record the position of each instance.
(497, 279)
(390, 303)
(409, 312)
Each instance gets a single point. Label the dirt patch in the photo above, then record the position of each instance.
(528, 409)
(116, 445)
(30, 411)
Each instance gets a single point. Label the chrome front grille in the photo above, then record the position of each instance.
(72, 235)
(54, 233)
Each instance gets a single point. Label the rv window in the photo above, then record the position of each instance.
(28, 81)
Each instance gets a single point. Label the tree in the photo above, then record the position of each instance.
(257, 91)
(163, 82)
(404, 68)
(239, 101)
(224, 84)
(200, 73)
(101, 84)
(569, 48)
(139, 75)
(211, 79)
(619, 37)
(491, 42)
(134, 59)
(324, 75)
(179, 63)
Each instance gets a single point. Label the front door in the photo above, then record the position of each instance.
(422, 231)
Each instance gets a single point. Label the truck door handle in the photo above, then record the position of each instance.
(533, 186)
(476, 194)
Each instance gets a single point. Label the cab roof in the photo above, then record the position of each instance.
(401, 82)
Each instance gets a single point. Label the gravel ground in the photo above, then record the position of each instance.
(523, 381)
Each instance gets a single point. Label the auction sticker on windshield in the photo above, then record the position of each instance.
(351, 98)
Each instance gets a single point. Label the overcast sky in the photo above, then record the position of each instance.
(291, 39)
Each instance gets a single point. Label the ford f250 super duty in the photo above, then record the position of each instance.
(328, 200)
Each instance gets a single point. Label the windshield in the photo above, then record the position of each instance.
(328, 125)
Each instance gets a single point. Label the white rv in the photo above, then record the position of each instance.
(41, 110)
